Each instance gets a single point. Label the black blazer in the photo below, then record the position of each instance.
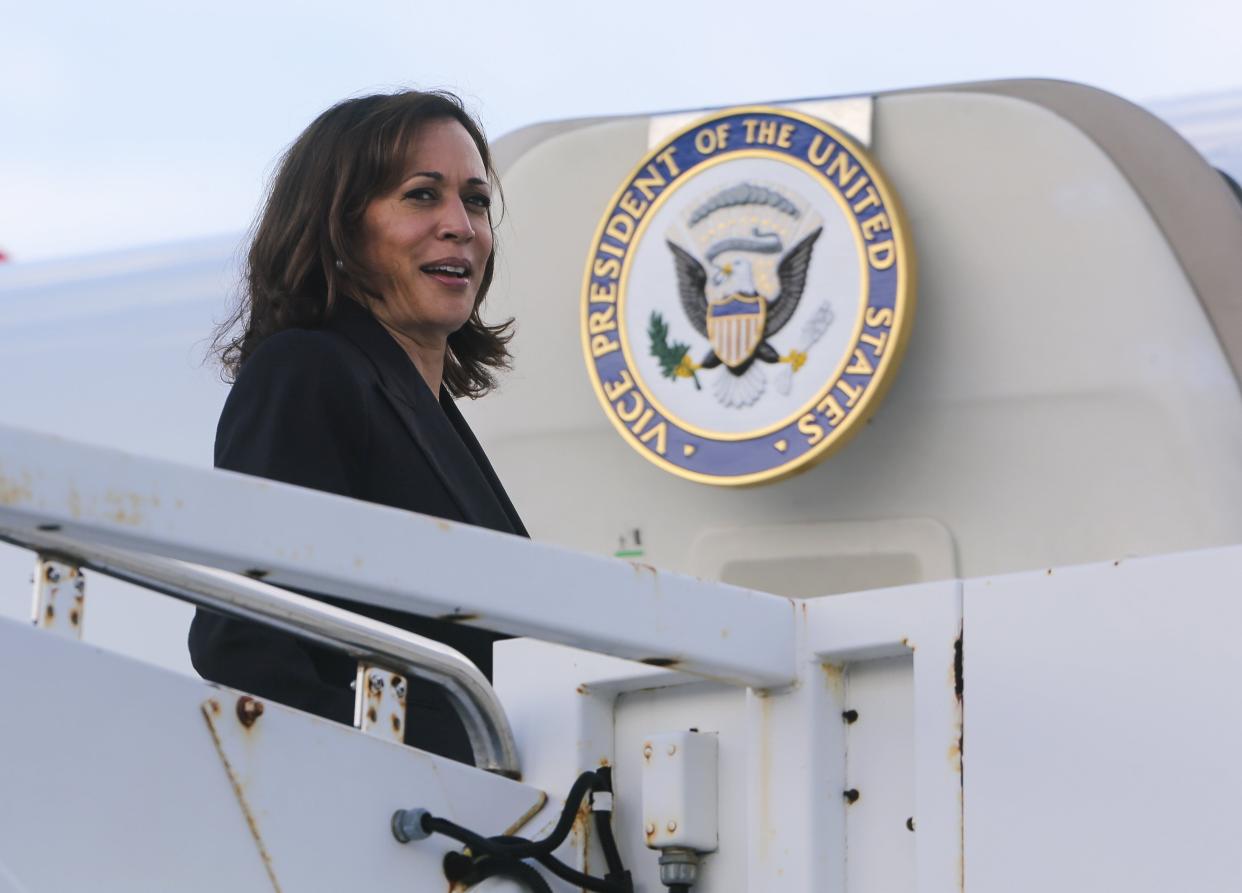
(343, 409)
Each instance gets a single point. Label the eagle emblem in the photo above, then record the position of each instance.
(747, 296)
(724, 303)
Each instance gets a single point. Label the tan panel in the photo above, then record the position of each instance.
(1064, 398)
(1187, 197)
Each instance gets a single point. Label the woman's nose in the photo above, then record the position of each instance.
(455, 223)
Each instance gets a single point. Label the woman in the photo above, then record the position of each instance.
(359, 323)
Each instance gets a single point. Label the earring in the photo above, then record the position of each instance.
(340, 264)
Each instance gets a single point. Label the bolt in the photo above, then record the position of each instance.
(53, 575)
(650, 828)
(672, 826)
(376, 682)
(248, 710)
(647, 751)
(398, 686)
(672, 749)
(850, 716)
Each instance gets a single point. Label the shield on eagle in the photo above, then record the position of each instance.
(735, 326)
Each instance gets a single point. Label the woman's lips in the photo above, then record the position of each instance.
(448, 280)
(453, 272)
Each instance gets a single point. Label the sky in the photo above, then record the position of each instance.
(133, 123)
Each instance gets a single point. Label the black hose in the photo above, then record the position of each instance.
(514, 870)
(603, 823)
(608, 843)
(577, 878)
(517, 848)
(502, 855)
(603, 780)
(550, 862)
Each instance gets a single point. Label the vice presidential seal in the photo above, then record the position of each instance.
(747, 297)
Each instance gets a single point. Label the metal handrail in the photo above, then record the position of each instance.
(365, 639)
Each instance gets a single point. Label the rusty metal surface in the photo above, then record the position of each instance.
(876, 666)
(248, 710)
(466, 687)
(880, 776)
(895, 654)
(850, 779)
(362, 552)
(379, 702)
(153, 806)
(680, 780)
(59, 600)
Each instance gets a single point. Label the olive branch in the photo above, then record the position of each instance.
(672, 357)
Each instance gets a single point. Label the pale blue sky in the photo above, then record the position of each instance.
(129, 123)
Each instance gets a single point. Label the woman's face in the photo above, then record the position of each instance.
(431, 236)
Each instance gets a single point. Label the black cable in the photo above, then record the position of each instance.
(603, 824)
(502, 855)
(603, 780)
(603, 827)
(459, 868)
(514, 870)
(476, 842)
(577, 878)
(517, 848)
(553, 864)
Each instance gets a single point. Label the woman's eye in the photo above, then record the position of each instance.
(421, 194)
(479, 200)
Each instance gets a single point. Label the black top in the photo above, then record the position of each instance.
(343, 409)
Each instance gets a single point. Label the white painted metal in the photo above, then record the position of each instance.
(879, 776)
(679, 785)
(1103, 723)
(576, 709)
(131, 328)
(467, 689)
(922, 625)
(120, 752)
(783, 754)
(59, 600)
(786, 757)
(850, 778)
(337, 546)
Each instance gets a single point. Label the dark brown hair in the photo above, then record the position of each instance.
(306, 247)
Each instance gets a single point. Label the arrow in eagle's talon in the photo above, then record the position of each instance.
(795, 358)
